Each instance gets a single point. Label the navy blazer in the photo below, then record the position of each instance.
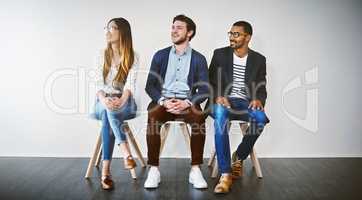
(198, 80)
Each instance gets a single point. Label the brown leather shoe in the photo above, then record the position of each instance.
(237, 168)
(129, 162)
(224, 184)
(106, 182)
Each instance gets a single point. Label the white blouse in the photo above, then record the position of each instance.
(107, 87)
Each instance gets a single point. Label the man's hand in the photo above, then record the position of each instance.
(176, 106)
(169, 103)
(222, 101)
(256, 104)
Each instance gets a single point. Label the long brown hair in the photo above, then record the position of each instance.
(126, 52)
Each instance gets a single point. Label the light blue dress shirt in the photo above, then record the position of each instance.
(175, 83)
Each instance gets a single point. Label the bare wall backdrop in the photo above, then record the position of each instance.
(313, 51)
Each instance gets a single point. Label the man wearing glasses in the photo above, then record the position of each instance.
(177, 83)
(237, 75)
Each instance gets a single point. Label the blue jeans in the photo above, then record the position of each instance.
(238, 111)
(112, 120)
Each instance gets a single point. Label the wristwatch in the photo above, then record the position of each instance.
(161, 101)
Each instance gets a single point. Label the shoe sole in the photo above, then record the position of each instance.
(158, 184)
(190, 181)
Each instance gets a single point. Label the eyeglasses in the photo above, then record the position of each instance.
(236, 34)
(110, 29)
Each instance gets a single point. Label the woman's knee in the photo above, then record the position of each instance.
(102, 115)
(115, 116)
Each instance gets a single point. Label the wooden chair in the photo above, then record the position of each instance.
(97, 152)
(254, 159)
(166, 129)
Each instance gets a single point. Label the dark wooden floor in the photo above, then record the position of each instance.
(289, 179)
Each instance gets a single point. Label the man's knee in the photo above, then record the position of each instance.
(198, 118)
(219, 112)
(155, 112)
(258, 116)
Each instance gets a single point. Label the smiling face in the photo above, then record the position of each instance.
(238, 37)
(112, 33)
(179, 33)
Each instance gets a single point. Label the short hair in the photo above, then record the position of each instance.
(190, 25)
(246, 25)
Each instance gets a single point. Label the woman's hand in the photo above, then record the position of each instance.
(117, 102)
(107, 102)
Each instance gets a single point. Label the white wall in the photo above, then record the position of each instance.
(321, 38)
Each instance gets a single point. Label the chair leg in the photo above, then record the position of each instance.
(243, 127)
(215, 169)
(134, 144)
(164, 133)
(99, 156)
(186, 133)
(94, 157)
(133, 173)
(256, 164)
(132, 141)
(212, 158)
(253, 157)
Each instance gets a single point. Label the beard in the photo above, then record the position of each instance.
(180, 40)
(236, 45)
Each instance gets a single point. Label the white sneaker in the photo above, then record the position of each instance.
(153, 178)
(196, 178)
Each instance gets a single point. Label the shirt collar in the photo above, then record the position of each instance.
(187, 50)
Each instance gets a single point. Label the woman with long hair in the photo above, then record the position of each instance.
(115, 100)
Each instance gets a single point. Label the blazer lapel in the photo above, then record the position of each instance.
(229, 65)
(190, 77)
(164, 64)
(248, 68)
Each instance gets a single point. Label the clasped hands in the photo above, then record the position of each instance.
(175, 106)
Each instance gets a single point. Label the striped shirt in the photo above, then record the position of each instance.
(238, 89)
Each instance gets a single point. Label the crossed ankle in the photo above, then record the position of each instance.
(104, 174)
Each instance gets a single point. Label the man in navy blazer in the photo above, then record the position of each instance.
(177, 83)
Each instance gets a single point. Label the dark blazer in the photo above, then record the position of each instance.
(221, 74)
(197, 79)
